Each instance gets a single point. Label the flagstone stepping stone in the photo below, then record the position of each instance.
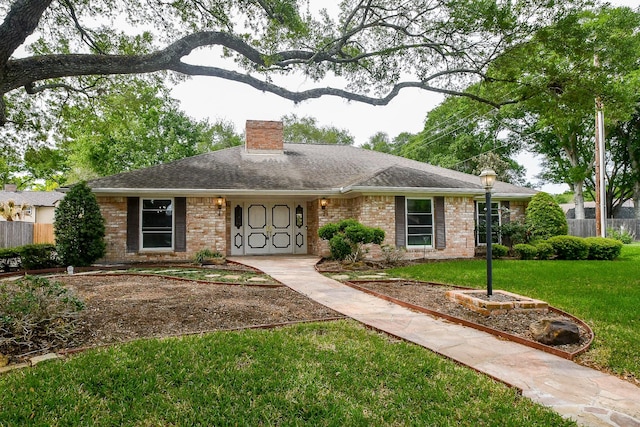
(212, 275)
(231, 277)
(166, 271)
(369, 276)
(340, 277)
(257, 279)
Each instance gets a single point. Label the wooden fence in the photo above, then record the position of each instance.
(18, 233)
(587, 227)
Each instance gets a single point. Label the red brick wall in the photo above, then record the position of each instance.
(264, 136)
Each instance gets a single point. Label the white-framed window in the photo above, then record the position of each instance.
(481, 221)
(419, 222)
(157, 225)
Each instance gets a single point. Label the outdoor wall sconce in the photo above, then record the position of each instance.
(219, 203)
(323, 203)
(487, 179)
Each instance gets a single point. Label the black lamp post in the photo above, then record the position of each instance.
(488, 178)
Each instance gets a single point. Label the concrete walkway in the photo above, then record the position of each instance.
(588, 396)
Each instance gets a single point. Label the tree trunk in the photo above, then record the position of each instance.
(578, 199)
(636, 200)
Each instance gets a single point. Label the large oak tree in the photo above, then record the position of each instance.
(378, 46)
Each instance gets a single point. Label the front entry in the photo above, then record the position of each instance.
(263, 228)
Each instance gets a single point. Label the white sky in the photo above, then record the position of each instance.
(212, 98)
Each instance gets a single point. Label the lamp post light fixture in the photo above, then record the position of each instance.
(488, 178)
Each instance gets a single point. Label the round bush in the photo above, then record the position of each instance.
(524, 251)
(601, 248)
(570, 247)
(544, 250)
(545, 218)
(498, 251)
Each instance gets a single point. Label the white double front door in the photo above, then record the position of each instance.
(262, 228)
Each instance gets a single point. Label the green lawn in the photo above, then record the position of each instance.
(605, 294)
(334, 374)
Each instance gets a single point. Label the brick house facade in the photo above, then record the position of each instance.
(271, 198)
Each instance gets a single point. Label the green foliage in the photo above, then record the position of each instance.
(515, 232)
(225, 378)
(569, 247)
(601, 248)
(204, 254)
(38, 256)
(499, 251)
(545, 218)
(36, 314)
(622, 235)
(525, 251)
(346, 238)
(545, 250)
(305, 130)
(136, 125)
(339, 247)
(79, 227)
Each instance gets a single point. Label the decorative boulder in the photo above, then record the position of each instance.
(555, 332)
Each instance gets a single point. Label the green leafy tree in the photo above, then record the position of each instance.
(135, 126)
(545, 218)
(466, 135)
(305, 130)
(79, 227)
(558, 73)
(378, 47)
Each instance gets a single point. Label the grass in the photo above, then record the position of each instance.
(335, 373)
(605, 294)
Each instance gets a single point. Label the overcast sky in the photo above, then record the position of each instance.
(211, 98)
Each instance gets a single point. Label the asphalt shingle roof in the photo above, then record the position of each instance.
(302, 167)
(32, 198)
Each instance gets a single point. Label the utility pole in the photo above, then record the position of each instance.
(601, 198)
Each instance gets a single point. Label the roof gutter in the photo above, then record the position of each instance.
(472, 192)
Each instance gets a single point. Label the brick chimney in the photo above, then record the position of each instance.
(264, 137)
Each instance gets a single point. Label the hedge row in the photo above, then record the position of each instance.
(29, 257)
(571, 248)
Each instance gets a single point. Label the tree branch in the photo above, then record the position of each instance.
(21, 20)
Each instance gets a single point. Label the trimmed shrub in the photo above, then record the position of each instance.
(601, 248)
(38, 256)
(498, 251)
(524, 251)
(545, 218)
(79, 227)
(569, 247)
(544, 250)
(36, 314)
(350, 234)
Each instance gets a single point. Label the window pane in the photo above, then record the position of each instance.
(156, 220)
(420, 230)
(156, 240)
(418, 205)
(414, 219)
(420, 240)
(481, 222)
(162, 204)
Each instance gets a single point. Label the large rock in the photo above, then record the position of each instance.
(555, 331)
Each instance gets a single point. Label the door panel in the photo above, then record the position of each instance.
(269, 228)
